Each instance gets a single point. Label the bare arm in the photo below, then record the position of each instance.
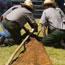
(43, 30)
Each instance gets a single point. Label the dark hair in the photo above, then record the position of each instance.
(50, 5)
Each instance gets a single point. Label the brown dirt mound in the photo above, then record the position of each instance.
(35, 54)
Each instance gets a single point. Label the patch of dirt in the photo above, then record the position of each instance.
(34, 54)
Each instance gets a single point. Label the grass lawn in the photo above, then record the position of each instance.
(56, 55)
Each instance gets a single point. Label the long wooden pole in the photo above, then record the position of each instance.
(12, 56)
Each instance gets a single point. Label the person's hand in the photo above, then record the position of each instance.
(27, 30)
(35, 28)
(32, 29)
(45, 36)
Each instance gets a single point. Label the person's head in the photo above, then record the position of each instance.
(48, 3)
(28, 4)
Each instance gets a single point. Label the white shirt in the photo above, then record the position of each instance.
(10, 9)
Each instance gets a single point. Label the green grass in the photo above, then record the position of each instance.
(56, 55)
(6, 52)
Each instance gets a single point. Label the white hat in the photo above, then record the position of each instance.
(48, 2)
(28, 3)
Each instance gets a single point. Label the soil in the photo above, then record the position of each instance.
(34, 54)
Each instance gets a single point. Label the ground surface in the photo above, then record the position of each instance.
(35, 54)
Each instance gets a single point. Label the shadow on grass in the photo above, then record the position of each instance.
(38, 38)
(55, 45)
(33, 36)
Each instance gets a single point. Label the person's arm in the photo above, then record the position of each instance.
(43, 22)
(43, 30)
(32, 22)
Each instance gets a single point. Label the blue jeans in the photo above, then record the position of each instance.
(3, 31)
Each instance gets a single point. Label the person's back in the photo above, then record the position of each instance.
(53, 17)
(18, 15)
(15, 20)
(61, 12)
(10, 9)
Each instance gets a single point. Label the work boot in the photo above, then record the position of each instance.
(8, 42)
(62, 44)
(2, 38)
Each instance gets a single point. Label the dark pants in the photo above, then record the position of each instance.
(14, 30)
(54, 37)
